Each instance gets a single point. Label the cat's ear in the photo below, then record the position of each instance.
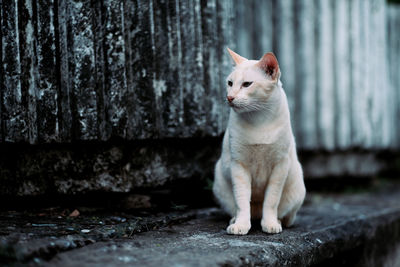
(269, 64)
(236, 57)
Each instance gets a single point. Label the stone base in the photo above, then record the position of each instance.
(104, 167)
(331, 230)
(122, 166)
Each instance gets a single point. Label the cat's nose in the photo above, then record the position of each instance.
(230, 98)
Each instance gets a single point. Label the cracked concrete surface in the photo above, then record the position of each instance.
(331, 230)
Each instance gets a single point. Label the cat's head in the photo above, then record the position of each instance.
(252, 82)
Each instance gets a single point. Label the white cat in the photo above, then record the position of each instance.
(258, 174)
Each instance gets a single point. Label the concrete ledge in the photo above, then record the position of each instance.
(120, 166)
(331, 230)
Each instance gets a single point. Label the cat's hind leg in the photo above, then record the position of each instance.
(292, 196)
(289, 219)
(222, 190)
(288, 208)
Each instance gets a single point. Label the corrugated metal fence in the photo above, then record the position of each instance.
(92, 70)
(340, 67)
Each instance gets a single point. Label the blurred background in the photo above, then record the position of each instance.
(122, 96)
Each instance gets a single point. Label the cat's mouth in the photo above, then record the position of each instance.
(235, 107)
(240, 107)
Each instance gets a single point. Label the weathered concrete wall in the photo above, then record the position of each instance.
(98, 167)
(93, 70)
(87, 86)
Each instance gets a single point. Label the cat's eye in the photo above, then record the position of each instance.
(246, 84)
(230, 83)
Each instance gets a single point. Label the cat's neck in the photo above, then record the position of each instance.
(259, 117)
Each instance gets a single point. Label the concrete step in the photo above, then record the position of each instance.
(351, 229)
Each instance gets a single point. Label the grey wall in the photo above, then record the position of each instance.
(393, 56)
(340, 67)
(93, 70)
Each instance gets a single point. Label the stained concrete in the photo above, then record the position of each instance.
(347, 229)
(104, 167)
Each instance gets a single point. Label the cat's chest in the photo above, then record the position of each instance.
(260, 161)
(258, 158)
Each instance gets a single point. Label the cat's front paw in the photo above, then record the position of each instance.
(238, 228)
(271, 226)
